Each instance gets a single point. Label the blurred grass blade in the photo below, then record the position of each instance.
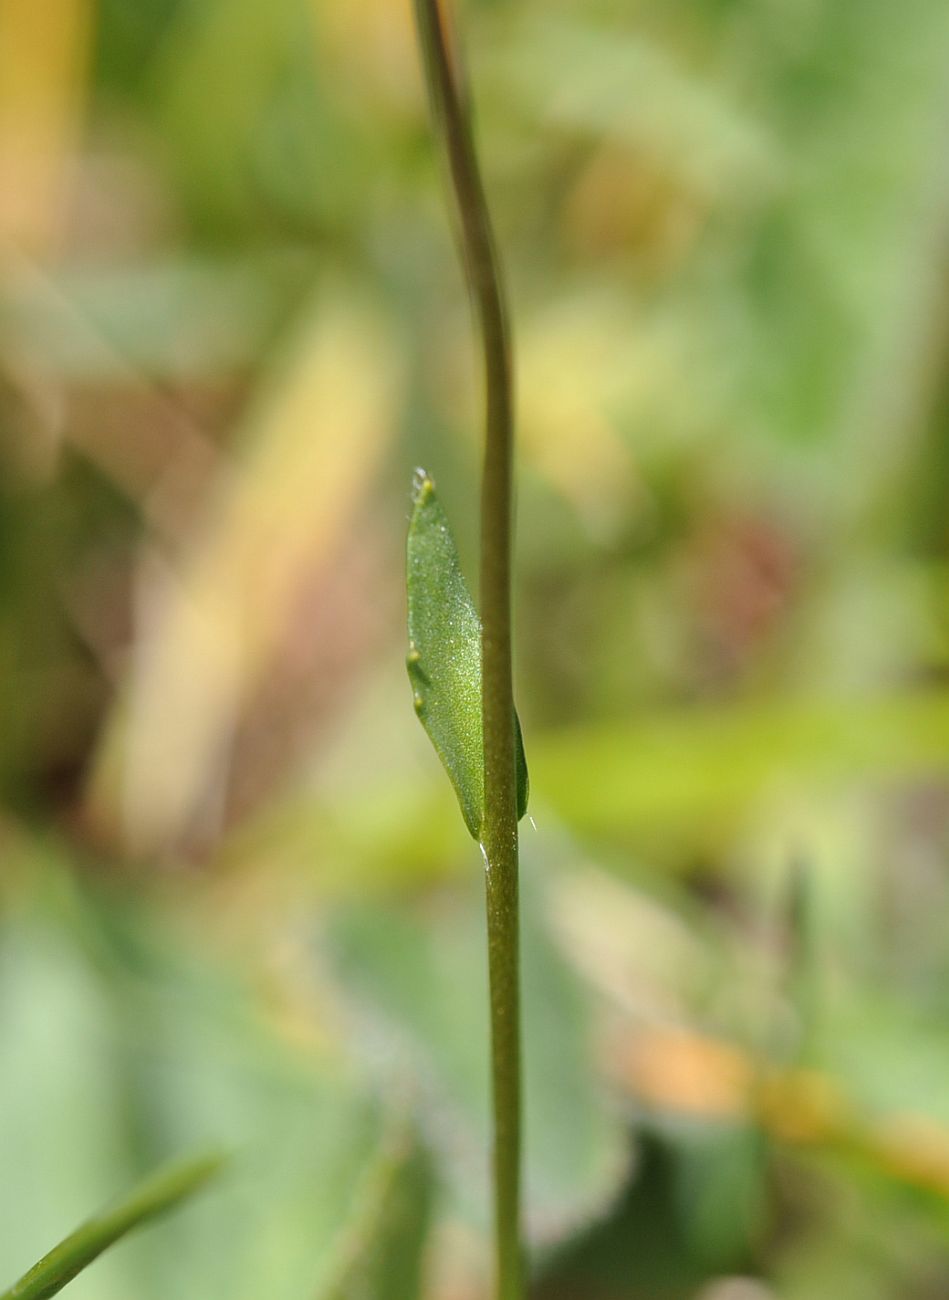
(381, 1256)
(44, 82)
(444, 659)
(213, 625)
(154, 1197)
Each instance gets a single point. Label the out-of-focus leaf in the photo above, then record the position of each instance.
(420, 993)
(637, 1250)
(692, 124)
(568, 427)
(118, 1047)
(220, 76)
(670, 779)
(718, 761)
(154, 1197)
(309, 446)
(444, 659)
(44, 56)
(721, 1191)
(59, 1093)
(177, 321)
(382, 1254)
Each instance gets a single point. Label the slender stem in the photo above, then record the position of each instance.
(499, 835)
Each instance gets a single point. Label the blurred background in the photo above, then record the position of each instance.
(237, 901)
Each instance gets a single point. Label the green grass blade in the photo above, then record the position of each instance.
(444, 659)
(152, 1198)
(381, 1255)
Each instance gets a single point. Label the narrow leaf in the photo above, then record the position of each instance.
(381, 1255)
(444, 659)
(154, 1197)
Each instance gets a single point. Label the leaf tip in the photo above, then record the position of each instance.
(423, 487)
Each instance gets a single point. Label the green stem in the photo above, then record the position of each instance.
(499, 835)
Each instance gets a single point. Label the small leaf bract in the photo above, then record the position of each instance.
(444, 659)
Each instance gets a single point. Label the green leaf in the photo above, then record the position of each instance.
(419, 987)
(444, 659)
(106, 1022)
(154, 1197)
(382, 1253)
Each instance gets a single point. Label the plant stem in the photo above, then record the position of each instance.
(499, 833)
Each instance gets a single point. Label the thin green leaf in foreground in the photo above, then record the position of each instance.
(444, 659)
(152, 1198)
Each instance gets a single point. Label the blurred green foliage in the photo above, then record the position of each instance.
(236, 904)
